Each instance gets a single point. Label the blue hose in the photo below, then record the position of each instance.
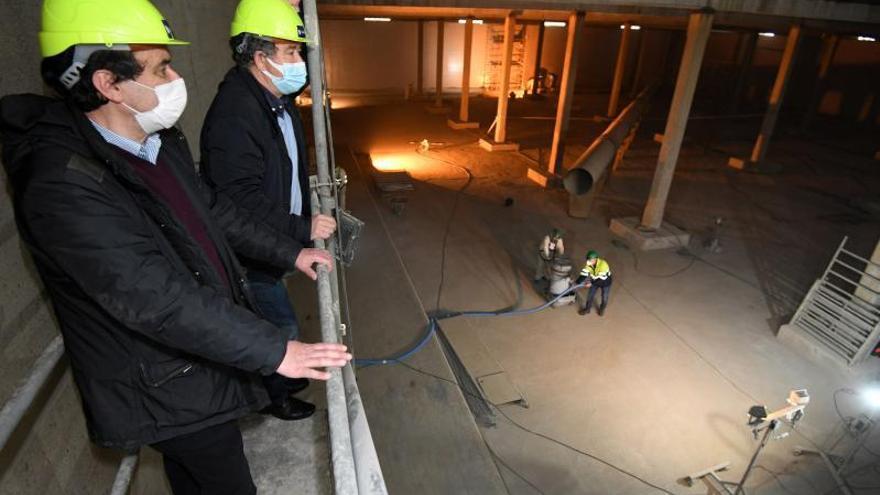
(432, 327)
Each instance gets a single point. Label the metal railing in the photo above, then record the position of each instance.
(23, 397)
(840, 310)
(356, 467)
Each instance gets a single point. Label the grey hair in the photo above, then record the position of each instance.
(246, 45)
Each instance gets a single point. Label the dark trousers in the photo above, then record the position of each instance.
(605, 286)
(208, 462)
(274, 303)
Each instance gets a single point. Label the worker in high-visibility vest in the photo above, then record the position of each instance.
(597, 274)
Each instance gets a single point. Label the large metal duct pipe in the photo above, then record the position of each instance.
(590, 166)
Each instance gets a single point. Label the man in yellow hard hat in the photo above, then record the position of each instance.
(136, 256)
(254, 151)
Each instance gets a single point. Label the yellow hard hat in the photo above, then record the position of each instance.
(68, 23)
(270, 19)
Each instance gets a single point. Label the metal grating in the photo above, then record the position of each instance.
(840, 311)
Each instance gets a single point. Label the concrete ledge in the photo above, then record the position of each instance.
(459, 125)
(738, 163)
(491, 145)
(538, 177)
(435, 110)
(805, 344)
(666, 237)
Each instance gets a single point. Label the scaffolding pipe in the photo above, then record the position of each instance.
(124, 475)
(590, 166)
(370, 480)
(27, 389)
(316, 80)
(344, 474)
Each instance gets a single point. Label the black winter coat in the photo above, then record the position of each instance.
(244, 157)
(159, 346)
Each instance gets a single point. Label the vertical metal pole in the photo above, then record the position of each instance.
(466, 70)
(699, 28)
(537, 73)
(826, 58)
(566, 94)
(439, 98)
(315, 55)
(759, 152)
(772, 426)
(322, 200)
(420, 64)
(619, 70)
(344, 474)
(504, 88)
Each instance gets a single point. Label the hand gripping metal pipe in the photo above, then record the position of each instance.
(356, 469)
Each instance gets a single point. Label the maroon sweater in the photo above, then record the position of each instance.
(160, 179)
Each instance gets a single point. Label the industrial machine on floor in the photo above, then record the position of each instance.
(560, 282)
(760, 421)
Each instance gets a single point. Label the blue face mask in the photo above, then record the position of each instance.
(292, 79)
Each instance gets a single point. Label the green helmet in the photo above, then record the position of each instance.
(68, 23)
(269, 19)
(591, 254)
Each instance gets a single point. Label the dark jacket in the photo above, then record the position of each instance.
(158, 344)
(244, 157)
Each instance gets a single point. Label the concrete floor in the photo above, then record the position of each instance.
(661, 385)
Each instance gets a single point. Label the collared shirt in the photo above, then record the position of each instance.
(285, 122)
(148, 150)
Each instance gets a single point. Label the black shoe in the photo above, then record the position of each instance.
(583, 311)
(291, 409)
(295, 385)
(601, 310)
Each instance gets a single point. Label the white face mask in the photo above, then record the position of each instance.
(172, 100)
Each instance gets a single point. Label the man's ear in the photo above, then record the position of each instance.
(260, 60)
(106, 84)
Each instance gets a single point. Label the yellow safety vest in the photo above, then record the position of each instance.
(599, 271)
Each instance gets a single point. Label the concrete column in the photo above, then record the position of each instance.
(745, 53)
(619, 70)
(462, 121)
(776, 96)
(566, 91)
(699, 28)
(537, 73)
(826, 58)
(438, 102)
(420, 67)
(501, 124)
(466, 70)
(640, 65)
(871, 279)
